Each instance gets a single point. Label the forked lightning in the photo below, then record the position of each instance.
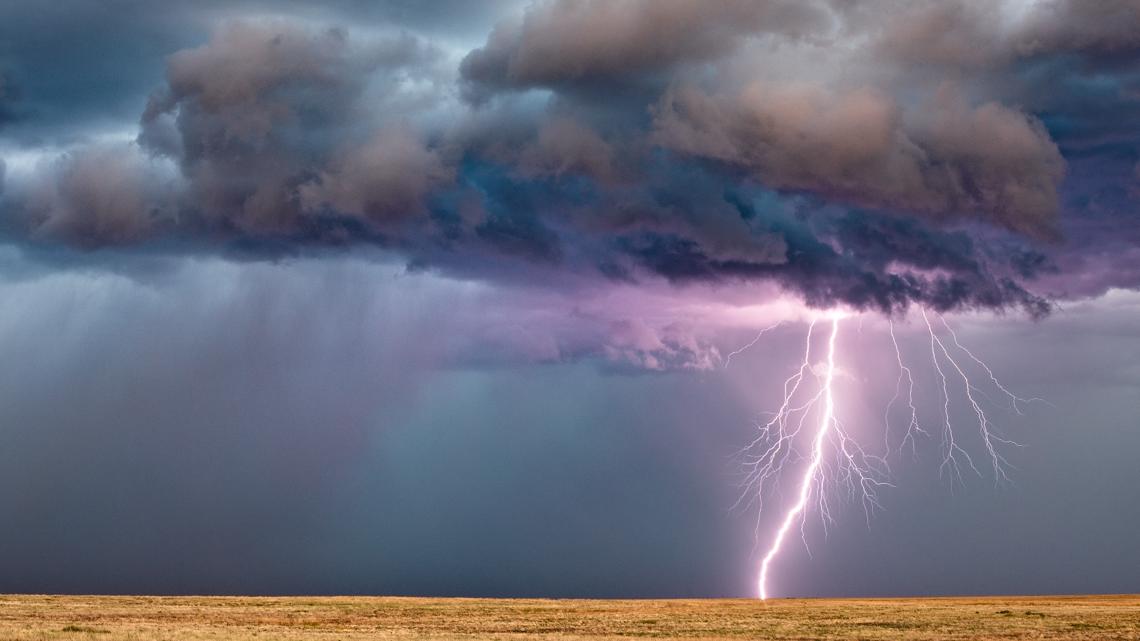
(836, 459)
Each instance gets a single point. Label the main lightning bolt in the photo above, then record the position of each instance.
(835, 457)
(825, 425)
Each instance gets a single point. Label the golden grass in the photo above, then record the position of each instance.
(80, 618)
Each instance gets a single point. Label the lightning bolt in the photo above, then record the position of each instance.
(825, 425)
(985, 428)
(728, 358)
(913, 426)
(835, 458)
(1013, 398)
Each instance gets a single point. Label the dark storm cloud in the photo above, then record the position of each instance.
(99, 195)
(561, 43)
(974, 34)
(1102, 250)
(951, 160)
(882, 263)
(89, 64)
(386, 178)
(263, 121)
(1110, 28)
(565, 147)
(706, 142)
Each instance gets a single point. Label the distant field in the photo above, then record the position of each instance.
(244, 618)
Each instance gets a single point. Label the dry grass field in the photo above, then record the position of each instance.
(80, 618)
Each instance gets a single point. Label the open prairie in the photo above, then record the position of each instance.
(141, 618)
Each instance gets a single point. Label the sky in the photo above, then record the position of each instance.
(449, 298)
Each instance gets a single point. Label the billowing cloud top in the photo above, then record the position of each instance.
(872, 153)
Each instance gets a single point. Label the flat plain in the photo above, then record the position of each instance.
(146, 618)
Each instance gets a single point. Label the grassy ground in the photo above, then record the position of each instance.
(1099, 618)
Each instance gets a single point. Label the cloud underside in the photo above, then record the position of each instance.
(876, 155)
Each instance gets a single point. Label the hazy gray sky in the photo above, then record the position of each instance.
(303, 428)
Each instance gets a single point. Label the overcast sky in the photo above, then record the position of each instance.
(438, 297)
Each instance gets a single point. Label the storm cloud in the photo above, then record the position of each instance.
(972, 34)
(738, 143)
(986, 161)
(563, 43)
